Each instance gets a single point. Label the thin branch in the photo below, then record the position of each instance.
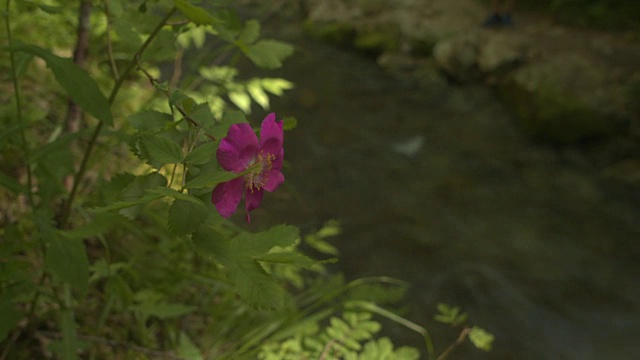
(458, 342)
(18, 101)
(114, 93)
(112, 62)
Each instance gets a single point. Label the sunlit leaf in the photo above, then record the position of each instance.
(481, 339)
(258, 94)
(250, 32)
(241, 99)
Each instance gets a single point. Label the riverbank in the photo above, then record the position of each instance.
(566, 86)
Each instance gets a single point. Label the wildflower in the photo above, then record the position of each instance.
(259, 161)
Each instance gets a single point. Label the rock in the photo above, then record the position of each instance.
(501, 51)
(565, 99)
(458, 57)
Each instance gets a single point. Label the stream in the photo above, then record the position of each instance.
(435, 185)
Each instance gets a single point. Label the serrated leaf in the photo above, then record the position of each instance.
(241, 99)
(78, 84)
(209, 178)
(202, 154)
(185, 217)
(276, 86)
(269, 54)
(67, 259)
(257, 288)
(150, 120)
(161, 149)
(250, 245)
(201, 113)
(194, 13)
(258, 94)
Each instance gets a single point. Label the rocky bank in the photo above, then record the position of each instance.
(566, 86)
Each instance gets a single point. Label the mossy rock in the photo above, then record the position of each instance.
(564, 100)
(376, 42)
(334, 32)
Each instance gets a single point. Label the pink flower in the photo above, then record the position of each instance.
(261, 163)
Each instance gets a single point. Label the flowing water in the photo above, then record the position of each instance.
(436, 186)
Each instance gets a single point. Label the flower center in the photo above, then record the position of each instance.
(255, 179)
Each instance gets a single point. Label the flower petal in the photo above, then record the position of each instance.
(271, 135)
(252, 200)
(274, 178)
(238, 149)
(227, 195)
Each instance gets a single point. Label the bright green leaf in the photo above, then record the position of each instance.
(82, 89)
(241, 99)
(258, 94)
(269, 54)
(481, 339)
(185, 216)
(290, 123)
(276, 86)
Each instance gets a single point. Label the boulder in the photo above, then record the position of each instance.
(565, 99)
(458, 57)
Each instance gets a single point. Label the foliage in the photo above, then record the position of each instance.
(110, 245)
(605, 14)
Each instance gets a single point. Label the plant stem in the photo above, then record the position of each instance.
(112, 61)
(114, 93)
(18, 100)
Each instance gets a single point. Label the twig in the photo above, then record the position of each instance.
(18, 98)
(114, 93)
(326, 349)
(458, 342)
(112, 62)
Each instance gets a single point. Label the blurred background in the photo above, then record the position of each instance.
(495, 168)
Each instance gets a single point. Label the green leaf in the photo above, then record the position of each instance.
(161, 149)
(67, 259)
(82, 89)
(248, 244)
(10, 316)
(46, 8)
(250, 32)
(209, 178)
(201, 113)
(481, 339)
(185, 217)
(290, 123)
(163, 310)
(258, 94)
(97, 226)
(150, 120)
(289, 258)
(196, 14)
(67, 347)
(276, 86)
(201, 154)
(269, 54)
(229, 118)
(257, 288)
(241, 99)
